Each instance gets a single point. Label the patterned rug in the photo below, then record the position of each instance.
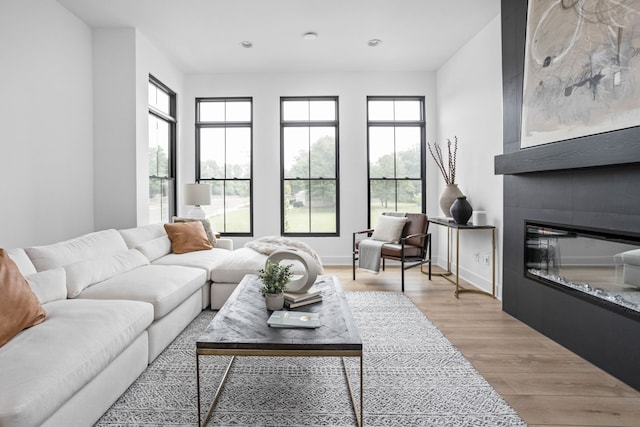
(413, 376)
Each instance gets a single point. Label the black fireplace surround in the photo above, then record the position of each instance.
(587, 183)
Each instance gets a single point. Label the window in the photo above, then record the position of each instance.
(162, 152)
(309, 159)
(224, 138)
(396, 148)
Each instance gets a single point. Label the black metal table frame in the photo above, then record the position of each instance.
(447, 274)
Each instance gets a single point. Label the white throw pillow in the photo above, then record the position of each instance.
(389, 228)
(49, 285)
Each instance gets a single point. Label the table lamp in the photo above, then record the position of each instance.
(197, 195)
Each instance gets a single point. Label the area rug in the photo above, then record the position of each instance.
(413, 376)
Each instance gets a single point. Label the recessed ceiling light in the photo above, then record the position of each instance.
(374, 42)
(246, 44)
(310, 36)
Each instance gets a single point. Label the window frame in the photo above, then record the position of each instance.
(172, 120)
(310, 123)
(421, 123)
(199, 124)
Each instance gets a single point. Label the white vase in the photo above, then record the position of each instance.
(274, 301)
(450, 194)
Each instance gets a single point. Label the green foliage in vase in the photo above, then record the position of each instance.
(275, 277)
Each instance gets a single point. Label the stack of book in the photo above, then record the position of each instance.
(312, 296)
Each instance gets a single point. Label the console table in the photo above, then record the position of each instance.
(452, 226)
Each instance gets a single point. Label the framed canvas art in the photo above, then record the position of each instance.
(581, 69)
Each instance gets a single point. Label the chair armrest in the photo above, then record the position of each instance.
(357, 237)
(368, 231)
(411, 236)
(427, 241)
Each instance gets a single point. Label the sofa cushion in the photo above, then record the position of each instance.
(49, 285)
(19, 306)
(45, 365)
(92, 245)
(206, 260)
(156, 248)
(136, 236)
(187, 237)
(164, 286)
(20, 257)
(233, 267)
(82, 274)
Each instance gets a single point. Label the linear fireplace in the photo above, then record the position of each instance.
(600, 266)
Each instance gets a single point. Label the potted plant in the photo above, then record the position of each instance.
(274, 277)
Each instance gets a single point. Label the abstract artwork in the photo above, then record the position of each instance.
(582, 69)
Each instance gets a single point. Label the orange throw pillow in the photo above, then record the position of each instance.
(187, 237)
(19, 306)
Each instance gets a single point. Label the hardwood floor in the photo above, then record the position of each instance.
(545, 383)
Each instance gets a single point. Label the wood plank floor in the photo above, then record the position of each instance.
(545, 383)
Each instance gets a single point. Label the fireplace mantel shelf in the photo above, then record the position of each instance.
(621, 147)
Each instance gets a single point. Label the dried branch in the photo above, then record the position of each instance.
(449, 170)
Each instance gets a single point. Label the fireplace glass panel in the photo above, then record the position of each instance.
(596, 263)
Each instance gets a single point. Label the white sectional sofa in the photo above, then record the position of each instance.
(114, 300)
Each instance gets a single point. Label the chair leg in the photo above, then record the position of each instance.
(402, 276)
(353, 263)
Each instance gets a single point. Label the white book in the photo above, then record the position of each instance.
(293, 319)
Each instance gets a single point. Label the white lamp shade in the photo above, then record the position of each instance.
(197, 194)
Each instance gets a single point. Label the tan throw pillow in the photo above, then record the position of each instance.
(187, 237)
(389, 228)
(19, 306)
(205, 223)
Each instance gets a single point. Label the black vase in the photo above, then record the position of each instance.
(461, 211)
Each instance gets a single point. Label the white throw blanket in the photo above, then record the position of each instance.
(269, 244)
(369, 251)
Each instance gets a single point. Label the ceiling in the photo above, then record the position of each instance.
(204, 36)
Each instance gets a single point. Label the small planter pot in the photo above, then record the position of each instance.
(274, 301)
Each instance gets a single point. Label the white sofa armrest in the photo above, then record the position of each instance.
(223, 243)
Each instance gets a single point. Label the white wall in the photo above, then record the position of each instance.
(266, 90)
(46, 117)
(114, 87)
(469, 106)
(123, 60)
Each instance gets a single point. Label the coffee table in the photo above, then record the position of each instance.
(240, 329)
